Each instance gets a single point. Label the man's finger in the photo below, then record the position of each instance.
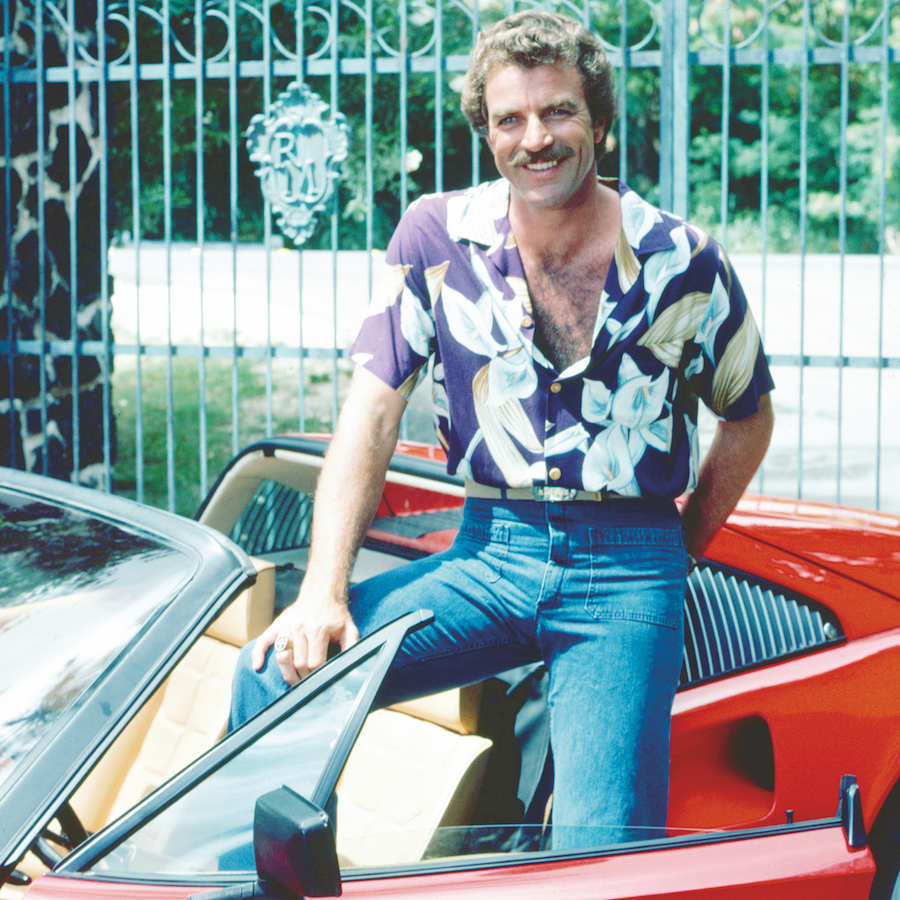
(349, 636)
(287, 653)
(317, 650)
(261, 646)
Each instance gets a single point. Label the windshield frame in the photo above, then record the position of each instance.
(53, 769)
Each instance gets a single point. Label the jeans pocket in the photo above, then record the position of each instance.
(638, 575)
(488, 545)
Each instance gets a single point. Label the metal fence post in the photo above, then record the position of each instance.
(674, 107)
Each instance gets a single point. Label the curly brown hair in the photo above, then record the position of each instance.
(536, 38)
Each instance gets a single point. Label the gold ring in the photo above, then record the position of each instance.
(282, 643)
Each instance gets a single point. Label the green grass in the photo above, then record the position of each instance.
(186, 422)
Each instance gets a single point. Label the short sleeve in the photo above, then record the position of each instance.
(396, 337)
(731, 371)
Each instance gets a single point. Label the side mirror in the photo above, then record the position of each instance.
(294, 846)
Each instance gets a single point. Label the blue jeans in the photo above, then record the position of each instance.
(596, 591)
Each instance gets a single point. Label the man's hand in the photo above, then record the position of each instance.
(302, 635)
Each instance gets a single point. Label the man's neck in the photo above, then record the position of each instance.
(563, 231)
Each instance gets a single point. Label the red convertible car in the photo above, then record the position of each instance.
(119, 628)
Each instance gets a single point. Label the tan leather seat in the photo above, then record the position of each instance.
(186, 716)
(415, 767)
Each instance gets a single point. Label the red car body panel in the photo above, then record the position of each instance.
(810, 865)
(857, 544)
(811, 746)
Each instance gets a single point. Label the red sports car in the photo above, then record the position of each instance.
(119, 627)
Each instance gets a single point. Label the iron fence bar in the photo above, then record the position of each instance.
(6, 284)
(369, 151)
(882, 222)
(167, 232)
(624, 65)
(475, 139)
(136, 242)
(369, 145)
(384, 65)
(301, 370)
(674, 130)
(681, 126)
(438, 95)
(842, 236)
(803, 201)
(41, 142)
(199, 137)
(333, 81)
(764, 194)
(390, 65)
(233, 142)
(726, 118)
(403, 87)
(256, 351)
(72, 208)
(267, 103)
(105, 310)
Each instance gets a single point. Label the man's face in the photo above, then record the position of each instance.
(541, 134)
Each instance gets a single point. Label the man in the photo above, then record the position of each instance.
(570, 328)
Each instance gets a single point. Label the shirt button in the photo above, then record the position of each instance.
(555, 388)
(527, 321)
(554, 474)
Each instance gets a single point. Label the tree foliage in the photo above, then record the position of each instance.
(837, 175)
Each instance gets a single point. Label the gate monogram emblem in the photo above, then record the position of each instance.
(298, 154)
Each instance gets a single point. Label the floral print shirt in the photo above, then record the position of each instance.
(673, 326)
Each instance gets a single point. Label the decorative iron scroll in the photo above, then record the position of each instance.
(298, 154)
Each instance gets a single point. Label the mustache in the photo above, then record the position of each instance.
(553, 153)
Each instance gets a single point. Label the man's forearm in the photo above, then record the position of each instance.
(352, 479)
(736, 452)
(347, 495)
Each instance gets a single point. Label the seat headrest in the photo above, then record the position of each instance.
(250, 612)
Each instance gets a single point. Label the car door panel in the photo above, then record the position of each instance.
(803, 864)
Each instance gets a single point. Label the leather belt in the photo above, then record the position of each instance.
(546, 493)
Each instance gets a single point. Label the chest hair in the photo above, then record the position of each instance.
(566, 294)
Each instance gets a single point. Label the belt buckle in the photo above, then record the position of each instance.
(552, 494)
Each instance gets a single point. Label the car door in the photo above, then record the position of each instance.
(195, 836)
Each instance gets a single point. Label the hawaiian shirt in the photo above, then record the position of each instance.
(673, 326)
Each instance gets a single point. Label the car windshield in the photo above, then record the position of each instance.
(76, 590)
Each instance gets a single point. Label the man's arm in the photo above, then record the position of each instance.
(734, 456)
(347, 495)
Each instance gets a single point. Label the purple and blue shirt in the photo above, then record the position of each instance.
(673, 327)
